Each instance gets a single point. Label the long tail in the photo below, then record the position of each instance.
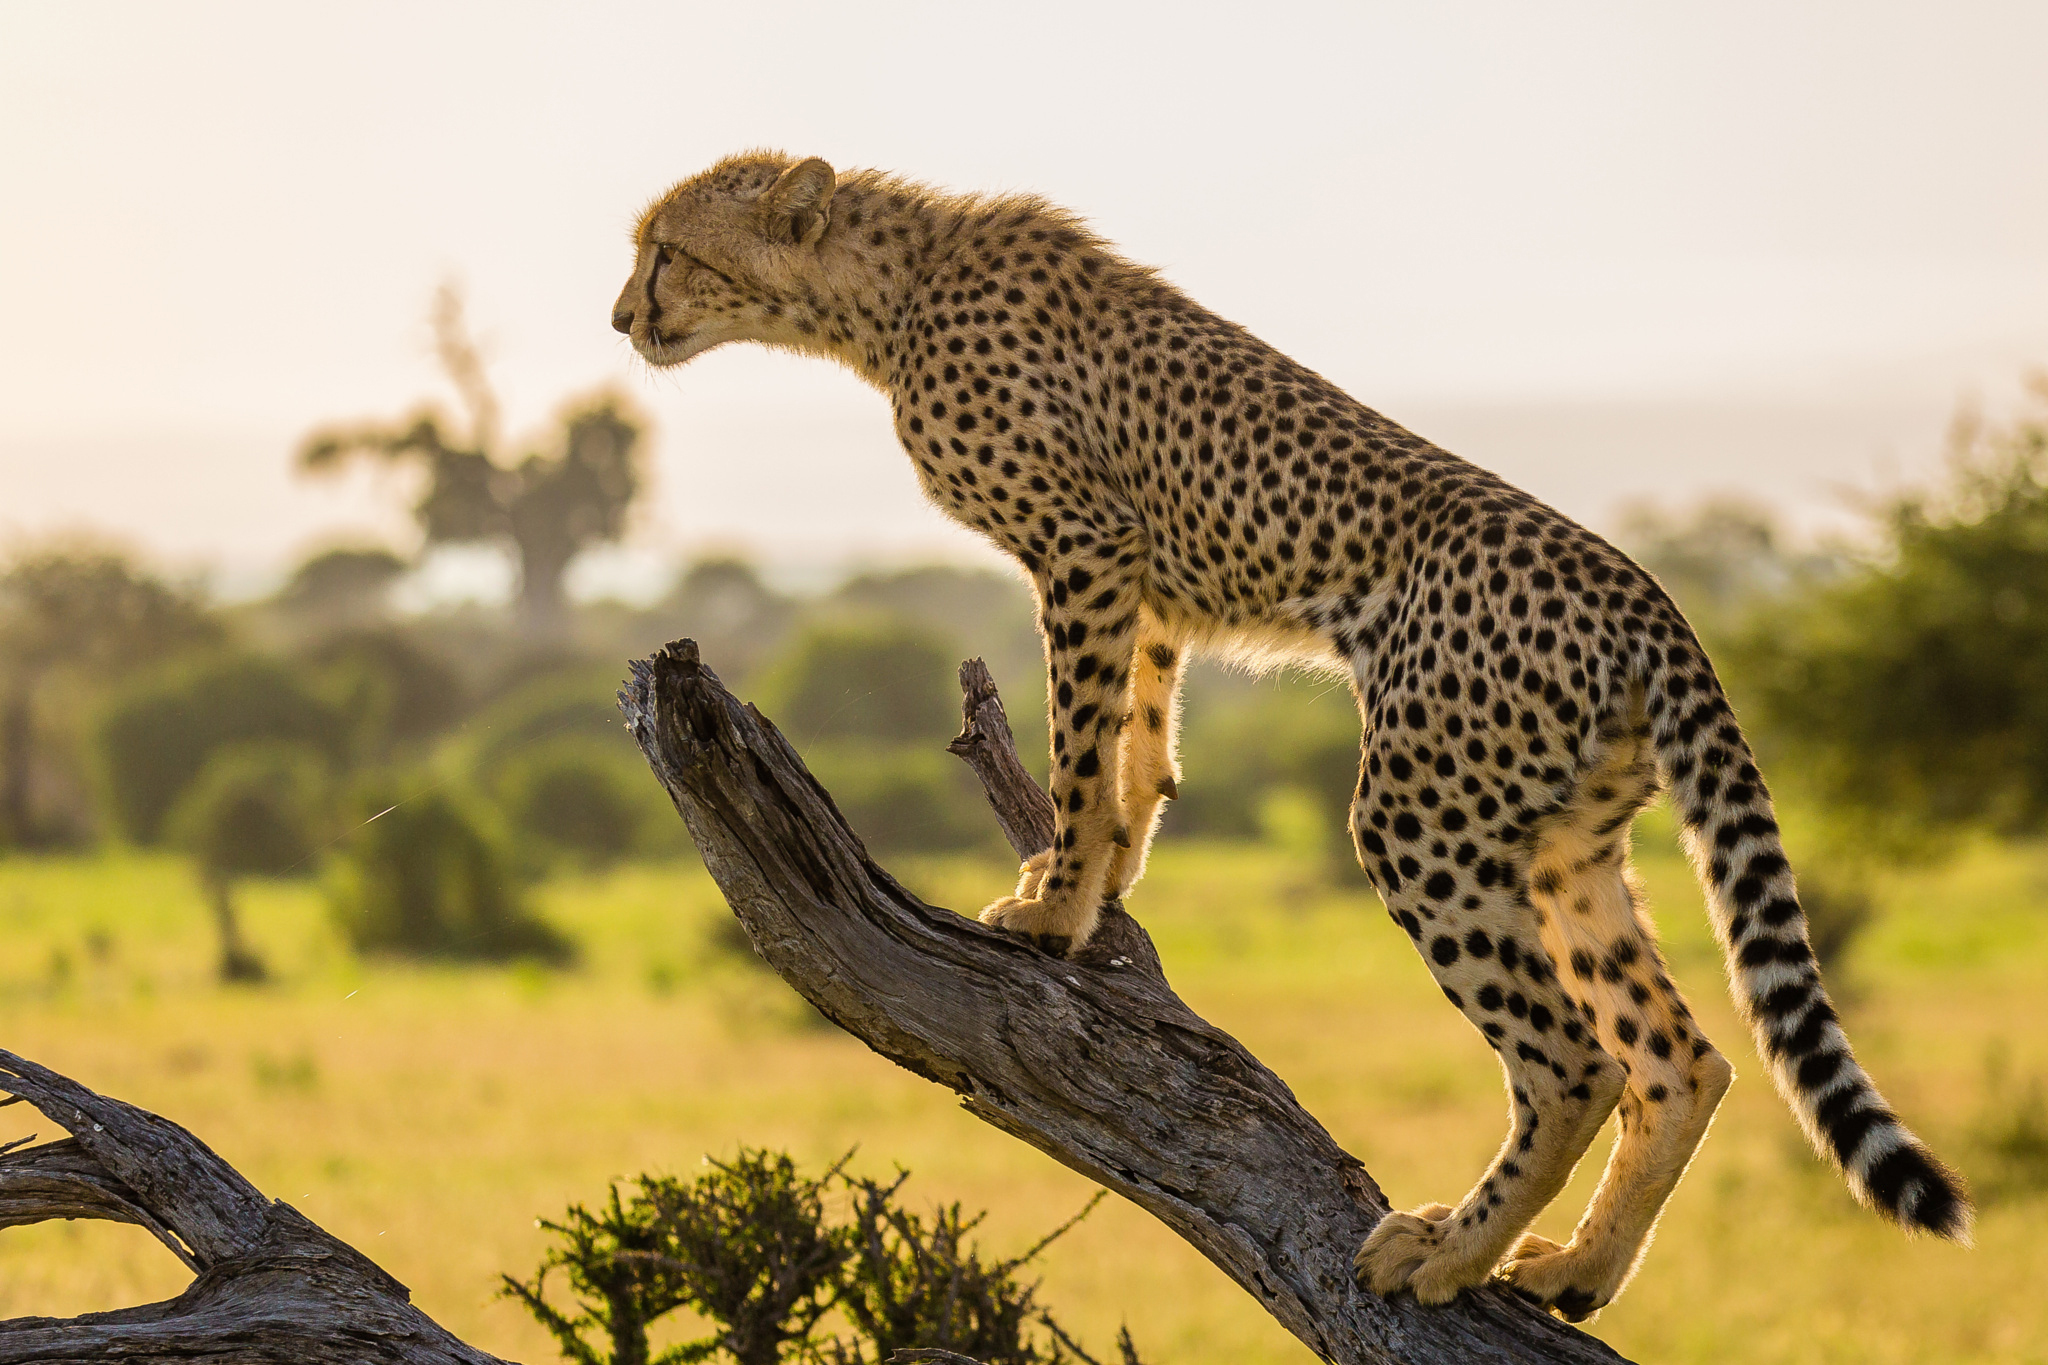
(1726, 818)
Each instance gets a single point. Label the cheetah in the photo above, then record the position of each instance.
(1168, 482)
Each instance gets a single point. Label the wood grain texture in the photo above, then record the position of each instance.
(272, 1287)
(1095, 1061)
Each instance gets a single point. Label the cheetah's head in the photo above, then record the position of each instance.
(725, 256)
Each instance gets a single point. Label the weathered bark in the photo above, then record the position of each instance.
(272, 1288)
(1094, 1061)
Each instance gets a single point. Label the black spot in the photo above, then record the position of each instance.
(1444, 949)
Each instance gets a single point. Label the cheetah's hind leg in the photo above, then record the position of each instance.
(1477, 932)
(1595, 929)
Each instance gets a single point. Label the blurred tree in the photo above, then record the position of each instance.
(342, 588)
(548, 507)
(992, 613)
(1720, 559)
(588, 802)
(157, 734)
(253, 811)
(574, 703)
(419, 875)
(1276, 760)
(1914, 690)
(396, 691)
(904, 798)
(881, 679)
(871, 702)
(90, 612)
(735, 618)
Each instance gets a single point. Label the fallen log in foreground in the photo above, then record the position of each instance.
(270, 1286)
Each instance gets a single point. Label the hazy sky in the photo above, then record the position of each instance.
(1615, 251)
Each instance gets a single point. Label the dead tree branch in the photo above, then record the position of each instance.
(1095, 1062)
(272, 1286)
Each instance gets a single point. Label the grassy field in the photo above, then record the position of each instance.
(429, 1114)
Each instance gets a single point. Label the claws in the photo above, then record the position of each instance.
(1551, 1276)
(1040, 918)
(1400, 1246)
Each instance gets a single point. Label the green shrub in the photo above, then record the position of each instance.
(904, 798)
(420, 876)
(255, 810)
(571, 798)
(880, 680)
(2011, 1131)
(395, 692)
(576, 704)
(749, 1246)
(156, 736)
(918, 1284)
(745, 1245)
(1911, 692)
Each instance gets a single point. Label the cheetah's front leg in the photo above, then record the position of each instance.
(1088, 613)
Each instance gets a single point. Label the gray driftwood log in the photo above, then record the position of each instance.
(1095, 1062)
(272, 1287)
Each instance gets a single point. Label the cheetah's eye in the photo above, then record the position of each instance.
(695, 264)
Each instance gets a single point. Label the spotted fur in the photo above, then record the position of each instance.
(1169, 482)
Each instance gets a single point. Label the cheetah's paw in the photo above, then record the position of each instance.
(1399, 1248)
(1040, 918)
(1031, 876)
(1559, 1278)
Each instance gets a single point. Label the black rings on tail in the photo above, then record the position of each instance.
(1729, 829)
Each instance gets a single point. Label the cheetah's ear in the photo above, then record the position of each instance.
(795, 208)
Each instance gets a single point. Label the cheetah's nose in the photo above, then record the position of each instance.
(622, 320)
